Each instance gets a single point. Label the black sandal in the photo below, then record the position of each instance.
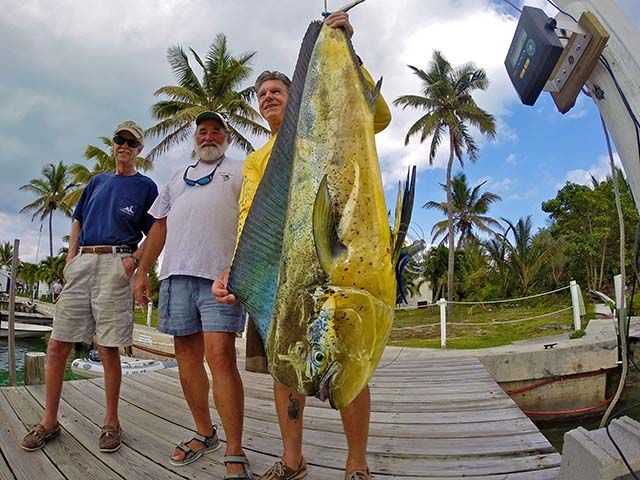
(211, 443)
(247, 474)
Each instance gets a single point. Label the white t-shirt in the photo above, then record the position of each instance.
(201, 220)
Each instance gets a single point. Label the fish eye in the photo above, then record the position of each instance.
(318, 357)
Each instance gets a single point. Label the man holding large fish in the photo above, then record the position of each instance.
(314, 264)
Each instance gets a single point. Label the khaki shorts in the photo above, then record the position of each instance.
(95, 301)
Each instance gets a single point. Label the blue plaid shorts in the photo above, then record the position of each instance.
(187, 306)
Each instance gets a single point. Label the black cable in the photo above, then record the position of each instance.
(512, 5)
(562, 11)
(623, 336)
(624, 459)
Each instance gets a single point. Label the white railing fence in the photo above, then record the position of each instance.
(577, 307)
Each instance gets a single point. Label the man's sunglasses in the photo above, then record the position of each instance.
(119, 140)
(206, 180)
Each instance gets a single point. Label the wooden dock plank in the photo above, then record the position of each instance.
(158, 435)
(127, 462)
(73, 459)
(519, 441)
(23, 465)
(322, 451)
(5, 472)
(432, 418)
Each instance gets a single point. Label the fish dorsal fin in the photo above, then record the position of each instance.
(325, 229)
(374, 94)
(256, 264)
(404, 209)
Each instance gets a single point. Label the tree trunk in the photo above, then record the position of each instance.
(604, 255)
(50, 234)
(452, 252)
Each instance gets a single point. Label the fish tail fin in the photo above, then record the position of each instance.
(401, 296)
(374, 94)
(404, 209)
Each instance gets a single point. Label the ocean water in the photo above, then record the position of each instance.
(24, 345)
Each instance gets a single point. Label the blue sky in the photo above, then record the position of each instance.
(72, 72)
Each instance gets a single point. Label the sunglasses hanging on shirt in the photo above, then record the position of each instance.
(203, 180)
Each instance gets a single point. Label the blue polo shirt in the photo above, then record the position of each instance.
(113, 209)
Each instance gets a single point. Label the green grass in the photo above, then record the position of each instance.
(483, 336)
(140, 316)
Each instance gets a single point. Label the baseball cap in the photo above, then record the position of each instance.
(209, 115)
(133, 128)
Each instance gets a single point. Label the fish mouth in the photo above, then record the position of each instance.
(324, 390)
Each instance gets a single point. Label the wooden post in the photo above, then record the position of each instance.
(34, 363)
(12, 313)
(575, 303)
(442, 303)
(618, 288)
(149, 312)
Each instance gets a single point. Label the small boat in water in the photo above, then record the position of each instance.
(24, 330)
(92, 366)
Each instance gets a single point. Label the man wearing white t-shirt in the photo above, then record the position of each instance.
(196, 216)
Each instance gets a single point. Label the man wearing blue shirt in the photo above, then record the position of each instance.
(108, 223)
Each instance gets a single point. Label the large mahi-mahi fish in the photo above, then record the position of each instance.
(315, 261)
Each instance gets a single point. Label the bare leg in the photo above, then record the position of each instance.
(228, 395)
(57, 353)
(195, 384)
(355, 420)
(110, 357)
(290, 410)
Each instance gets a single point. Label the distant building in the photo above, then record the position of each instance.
(5, 281)
(424, 296)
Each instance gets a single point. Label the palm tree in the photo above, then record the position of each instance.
(526, 258)
(51, 270)
(469, 209)
(496, 247)
(51, 191)
(218, 91)
(6, 254)
(446, 98)
(29, 274)
(104, 162)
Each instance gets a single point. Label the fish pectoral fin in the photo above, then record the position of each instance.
(325, 229)
(374, 94)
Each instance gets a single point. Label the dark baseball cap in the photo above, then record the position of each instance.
(209, 115)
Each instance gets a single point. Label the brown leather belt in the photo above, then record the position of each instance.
(105, 249)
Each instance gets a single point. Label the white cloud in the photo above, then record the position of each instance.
(491, 32)
(599, 170)
(512, 159)
(81, 67)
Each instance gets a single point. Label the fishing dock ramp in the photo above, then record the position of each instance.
(432, 418)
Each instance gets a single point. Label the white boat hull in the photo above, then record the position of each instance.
(130, 367)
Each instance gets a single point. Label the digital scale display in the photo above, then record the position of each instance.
(534, 52)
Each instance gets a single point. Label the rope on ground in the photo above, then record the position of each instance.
(507, 300)
(416, 327)
(504, 322)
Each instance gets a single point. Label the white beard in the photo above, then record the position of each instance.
(211, 153)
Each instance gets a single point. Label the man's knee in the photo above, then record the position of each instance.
(220, 351)
(189, 348)
(58, 351)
